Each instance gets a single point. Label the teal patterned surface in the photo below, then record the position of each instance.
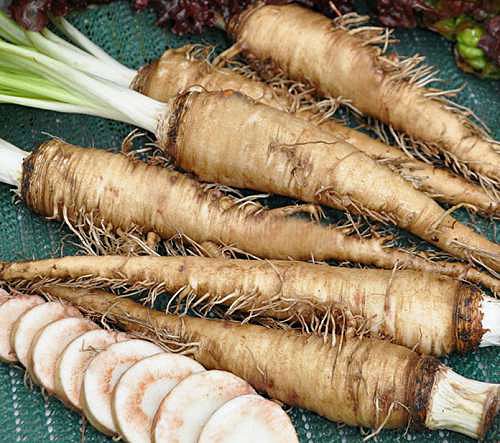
(25, 415)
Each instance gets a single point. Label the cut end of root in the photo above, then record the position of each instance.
(490, 307)
(11, 163)
(462, 405)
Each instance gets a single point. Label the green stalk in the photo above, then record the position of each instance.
(98, 94)
(94, 62)
(38, 88)
(81, 40)
(80, 60)
(10, 97)
(11, 31)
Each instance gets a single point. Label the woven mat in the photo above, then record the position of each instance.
(25, 415)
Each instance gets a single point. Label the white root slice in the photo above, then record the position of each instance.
(490, 307)
(10, 311)
(47, 346)
(142, 387)
(461, 405)
(73, 361)
(185, 410)
(32, 321)
(248, 419)
(4, 296)
(101, 376)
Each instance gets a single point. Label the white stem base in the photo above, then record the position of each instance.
(81, 40)
(11, 163)
(460, 404)
(490, 307)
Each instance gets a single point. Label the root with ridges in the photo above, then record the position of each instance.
(414, 71)
(298, 376)
(106, 240)
(422, 174)
(297, 160)
(317, 298)
(185, 70)
(163, 210)
(365, 48)
(310, 317)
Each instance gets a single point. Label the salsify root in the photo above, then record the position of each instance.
(61, 181)
(346, 62)
(361, 382)
(283, 154)
(227, 138)
(178, 70)
(422, 311)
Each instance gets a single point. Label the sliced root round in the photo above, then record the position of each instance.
(101, 376)
(73, 361)
(141, 389)
(10, 311)
(32, 321)
(185, 410)
(48, 344)
(4, 296)
(247, 419)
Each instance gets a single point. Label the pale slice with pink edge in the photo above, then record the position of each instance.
(185, 410)
(10, 311)
(73, 361)
(141, 389)
(32, 321)
(47, 346)
(101, 376)
(4, 296)
(248, 419)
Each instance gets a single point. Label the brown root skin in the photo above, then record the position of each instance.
(60, 181)
(282, 154)
(342, 62)
(422, 311)
(178, 70)
(468, 319)
(440, 184)
(361, 382)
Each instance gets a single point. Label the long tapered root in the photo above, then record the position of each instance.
(358, 382)
(289, 156)
(393, 304)
(179, 69)
(60, 180)
(343, 59)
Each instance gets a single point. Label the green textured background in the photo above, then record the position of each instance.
(134, 40)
